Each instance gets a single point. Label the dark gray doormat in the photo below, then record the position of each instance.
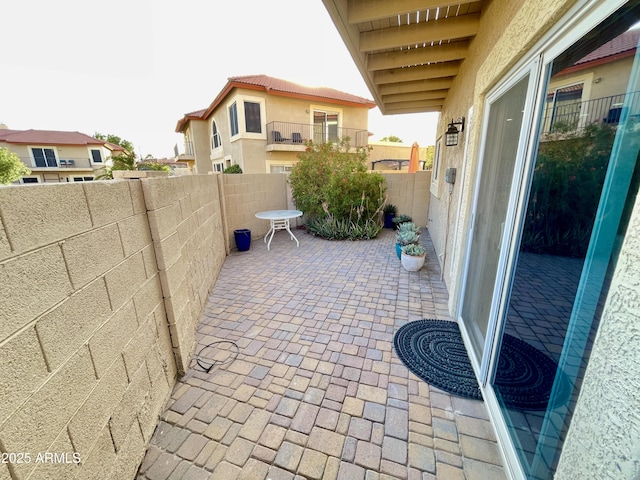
(434, 351)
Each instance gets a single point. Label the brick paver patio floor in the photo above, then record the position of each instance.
(316, 390)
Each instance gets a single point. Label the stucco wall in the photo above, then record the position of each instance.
(603, 441)
(87, 348)
(410, 193)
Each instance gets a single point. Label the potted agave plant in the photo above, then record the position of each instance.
(400, 219)
(406, 235)
(413, 257)
(389, 213)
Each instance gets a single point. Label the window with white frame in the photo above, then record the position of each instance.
(247, 117)
(233, 119)
(96, 155)
(44, 157)
(29, 180)
(218, 167)
(216, 140)
(252, 120)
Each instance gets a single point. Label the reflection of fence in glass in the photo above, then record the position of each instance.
(576, 115)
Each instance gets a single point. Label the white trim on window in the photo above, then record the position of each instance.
(92, 158)
(239, 101)
(44, 157)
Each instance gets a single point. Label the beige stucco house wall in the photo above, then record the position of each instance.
(285, 108)
(74, 161)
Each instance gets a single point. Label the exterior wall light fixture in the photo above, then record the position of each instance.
(452, 133)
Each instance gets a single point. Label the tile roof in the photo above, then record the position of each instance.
(47, 137)
(626, 42)
(276, 84)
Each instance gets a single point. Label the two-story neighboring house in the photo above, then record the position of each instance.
(593, 89)
(57, 156)
(261, 124)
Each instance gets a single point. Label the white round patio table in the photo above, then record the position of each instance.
(279, 221)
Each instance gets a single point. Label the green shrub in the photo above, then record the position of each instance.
(159, 167)
(233, 169)
(332, 187)
(565, 191)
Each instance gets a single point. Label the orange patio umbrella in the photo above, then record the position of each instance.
(413, 158)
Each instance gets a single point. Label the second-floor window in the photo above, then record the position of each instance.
(96, 156)
(253, 124)
(216, 141)
(233, 119)
(44, 157)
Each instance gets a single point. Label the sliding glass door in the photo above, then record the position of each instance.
(502, 153)
(553, 200)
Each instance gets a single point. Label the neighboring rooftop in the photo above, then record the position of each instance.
(622, 44)
(48, 137)
(276, 86)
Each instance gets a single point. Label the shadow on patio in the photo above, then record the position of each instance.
(316, 390)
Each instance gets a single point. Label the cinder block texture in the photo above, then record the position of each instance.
(108, 201)
(29, 285)
(38, 215)
(409, 192)
(186, 227)
(23, 370)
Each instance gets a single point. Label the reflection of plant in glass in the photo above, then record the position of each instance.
(565, 190)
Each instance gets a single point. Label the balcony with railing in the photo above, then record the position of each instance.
(574, 116)
(50, 162)
(292, 136)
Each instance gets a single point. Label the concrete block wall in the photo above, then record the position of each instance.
(85, 351)
(247, 194)
(410, 193)
(185, 220)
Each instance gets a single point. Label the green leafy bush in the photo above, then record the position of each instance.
(154, 166)
(233, 169)
(565, 192)
(331, 185)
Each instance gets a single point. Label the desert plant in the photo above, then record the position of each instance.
(413, 250)
(401, 219)
(409, 227)
(389, 209)
(407, 237)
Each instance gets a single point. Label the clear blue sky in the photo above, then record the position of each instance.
(133, 68)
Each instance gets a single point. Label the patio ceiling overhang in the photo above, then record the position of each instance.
(408, 51)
